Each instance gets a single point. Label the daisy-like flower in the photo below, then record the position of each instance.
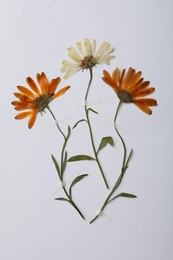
(130, 87)
(86, 56)
(37, 99)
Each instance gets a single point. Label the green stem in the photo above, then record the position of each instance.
(123, 168)
(62, 158)
(90, 131)
(56, 122)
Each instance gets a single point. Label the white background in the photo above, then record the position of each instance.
(34, 37)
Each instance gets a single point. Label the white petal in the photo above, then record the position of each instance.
(87, 47)
(93, 46)
(80, 49)
(104, 59)
(71, 73)
(73, 54)
(67, 65)
(103, 49)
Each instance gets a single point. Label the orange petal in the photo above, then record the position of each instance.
(26, 91)
(145, 101)
(23, 115)
(144, 108)
(33, 86)
(20, 108)
(141, 85)
(22, 97)
(116, 77)
(32, 119)
(143, 92)
(126, 83)
(43, 82)
(136, 78)
(54, 84)
(16, 103)
(110, 82)
(60, 92)
(18, 95)
(106, 74)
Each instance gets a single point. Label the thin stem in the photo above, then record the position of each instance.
(123, 168)
(90, 131)
(56, 122)
(62, 159)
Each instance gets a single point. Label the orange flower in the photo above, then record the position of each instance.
(130, 87)
(38, 99)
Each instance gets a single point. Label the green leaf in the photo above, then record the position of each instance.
(69, 132)
(90, 109)
(124, 194)
(62, 199)
(56, 166)
(76, 180)
(64, 162)
(105, 140)
(80, 157)
(82, 120)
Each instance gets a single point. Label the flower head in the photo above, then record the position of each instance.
(131, 88)
(86, 56)
(37, 99)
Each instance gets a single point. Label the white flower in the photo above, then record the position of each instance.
(86, 56)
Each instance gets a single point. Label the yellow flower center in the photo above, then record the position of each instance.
(124, 96)
(88, 62)
(42, 102)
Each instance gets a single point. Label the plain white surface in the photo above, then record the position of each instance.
(34, 38)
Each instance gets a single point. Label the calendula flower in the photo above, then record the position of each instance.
(86, 56)
(37, 99)
(130, 87)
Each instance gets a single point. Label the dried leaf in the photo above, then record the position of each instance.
(80, 157)
(76, 180)
(105, 140)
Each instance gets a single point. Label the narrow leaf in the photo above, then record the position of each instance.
(62, 199)
(69, 132)
(90, 109)
(76, 180)
(56, 166)
(123, 194)
(64, 162)
(82, 120)
(80, 157)
(105, 140)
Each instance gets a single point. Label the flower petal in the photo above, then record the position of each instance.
(80, 49)
(108, 80)
(53, 85)
(126, 83)
(22, 97)
(73, 54)
(145, 101)
(141, 86)
(67, 65)
(33, 86)
(103, 49)
(71, 72)
(32, 119)
(143, 92)
(23, 115)
(87, 47)
(93, 47)
(104, 59)
(144, 108)
(60, 92)
(26, 92)
(43, 82)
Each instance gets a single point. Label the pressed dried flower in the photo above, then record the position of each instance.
(130, 87)
(37, 99)
(86, 56)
